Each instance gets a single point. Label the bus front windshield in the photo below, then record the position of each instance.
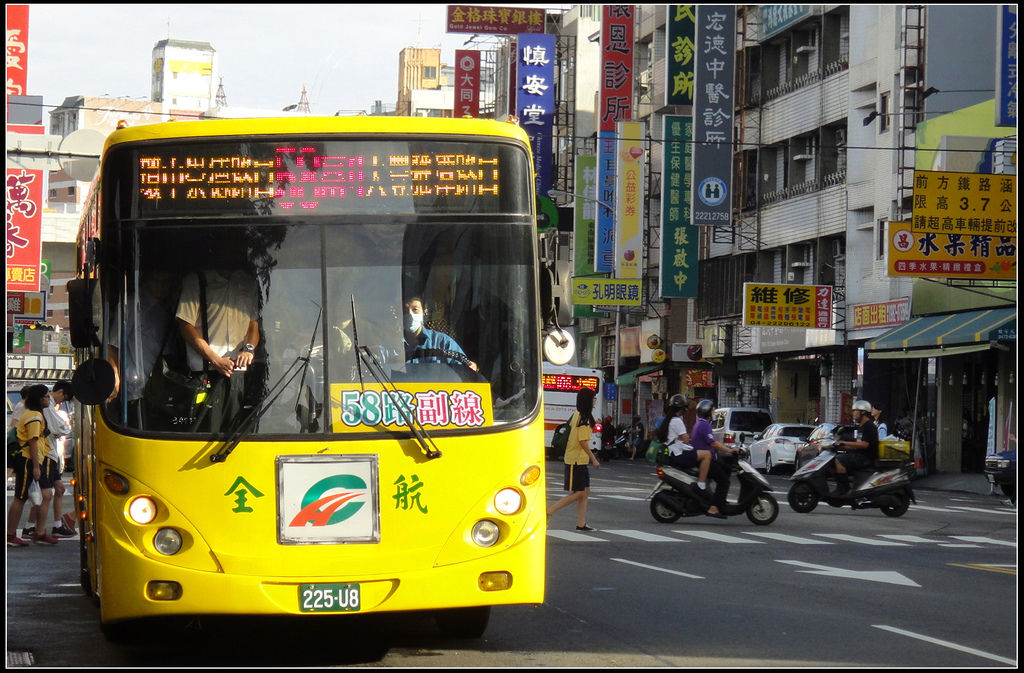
(347, 325)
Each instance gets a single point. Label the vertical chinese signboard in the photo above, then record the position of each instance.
(679, 63)
(24, 192)
(467, 83)
(629, 200)
(615, 105)
(1006, 66)
(584, 214)
(678, 239)
(535, 100)
(770, 305)
(712, 115)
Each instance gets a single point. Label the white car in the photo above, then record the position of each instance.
(778, 445)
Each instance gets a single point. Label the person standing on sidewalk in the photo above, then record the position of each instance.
(59, 424)
(32, 466)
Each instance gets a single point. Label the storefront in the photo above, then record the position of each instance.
(959, 373)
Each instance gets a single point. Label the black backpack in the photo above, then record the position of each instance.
(560, 437)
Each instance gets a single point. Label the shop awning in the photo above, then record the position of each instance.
(936, 335)
(630, 378)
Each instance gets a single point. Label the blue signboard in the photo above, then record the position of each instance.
(1006, 67)
(535, 100)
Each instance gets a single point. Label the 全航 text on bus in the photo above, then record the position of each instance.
(311, 353)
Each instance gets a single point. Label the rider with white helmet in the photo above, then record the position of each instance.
(862, 451)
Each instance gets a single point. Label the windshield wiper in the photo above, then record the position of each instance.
(376, 369)
(255, 413)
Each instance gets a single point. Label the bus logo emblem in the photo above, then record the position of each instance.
(331, 501)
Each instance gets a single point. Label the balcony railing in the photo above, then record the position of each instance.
(808, 187)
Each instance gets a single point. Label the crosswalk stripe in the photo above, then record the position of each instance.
(718, 537)
(632, 498)
(861, 540)
(983, 509)
(782, 537)
(641, 535)
(988, 540)
(573, 536)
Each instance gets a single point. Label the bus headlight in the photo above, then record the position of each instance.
(167, 541)
(142, 510)
(485, 533)
(508, 501)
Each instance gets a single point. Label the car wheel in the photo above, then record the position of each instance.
(768, 466)
(1010, 491)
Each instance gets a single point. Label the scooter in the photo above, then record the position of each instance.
(676, 494)
(614, 447)
(887, 489)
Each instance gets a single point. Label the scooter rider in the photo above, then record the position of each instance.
(862, 451)
(704, 440)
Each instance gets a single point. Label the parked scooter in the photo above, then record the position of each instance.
(676, 494)
(887, 489)
(614, 447)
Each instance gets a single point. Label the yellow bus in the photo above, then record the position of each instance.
(350, 457)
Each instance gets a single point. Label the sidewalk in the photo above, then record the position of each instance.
(976, 483)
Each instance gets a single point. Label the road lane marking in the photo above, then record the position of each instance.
(987, 540)
(633, 498)
(645, 537)
(861, 540)
(946, 643)
(573, 536)
(717, 537)
(887, 576)
(661, 570)
(782, 537)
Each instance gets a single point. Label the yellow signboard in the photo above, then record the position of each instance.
(362, 408)
(606, 291)
(964, 203)
(950, 255)
(765, 304)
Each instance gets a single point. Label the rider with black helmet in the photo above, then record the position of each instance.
(704, 440)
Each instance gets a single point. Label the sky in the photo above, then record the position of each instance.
(346, 55)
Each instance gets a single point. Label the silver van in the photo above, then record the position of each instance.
(736, 426)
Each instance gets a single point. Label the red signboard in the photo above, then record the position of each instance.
(616, 65)
(17, 50)
(497, 20)
(24, 228)
(467, 83)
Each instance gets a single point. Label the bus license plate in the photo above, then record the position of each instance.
(329, 597)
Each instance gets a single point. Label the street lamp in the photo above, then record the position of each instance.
(560, 192)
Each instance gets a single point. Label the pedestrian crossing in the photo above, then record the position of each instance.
(763, 537)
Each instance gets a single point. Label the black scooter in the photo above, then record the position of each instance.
(676, 494)
(886, 489)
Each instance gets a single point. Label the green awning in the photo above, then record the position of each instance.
(947, 334)
(630, 378)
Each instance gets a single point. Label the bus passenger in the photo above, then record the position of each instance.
(222, 333)
(419, 340)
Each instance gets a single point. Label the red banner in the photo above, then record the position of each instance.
(616, 65)
(17, 50)
(497, 20)
(24, 229)
(467, 83)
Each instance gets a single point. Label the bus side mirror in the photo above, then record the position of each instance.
(82, 305)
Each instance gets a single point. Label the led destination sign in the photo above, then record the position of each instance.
(568, 383)
(327, 177)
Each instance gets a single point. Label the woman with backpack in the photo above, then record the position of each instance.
(577, 457)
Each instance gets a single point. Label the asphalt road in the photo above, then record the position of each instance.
(936, 587)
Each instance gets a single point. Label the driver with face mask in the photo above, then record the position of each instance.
(427, 345)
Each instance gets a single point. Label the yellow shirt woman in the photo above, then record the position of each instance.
(579, 436)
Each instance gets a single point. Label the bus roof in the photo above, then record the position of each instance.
(314, 126)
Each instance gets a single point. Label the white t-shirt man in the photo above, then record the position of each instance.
(231, 305)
